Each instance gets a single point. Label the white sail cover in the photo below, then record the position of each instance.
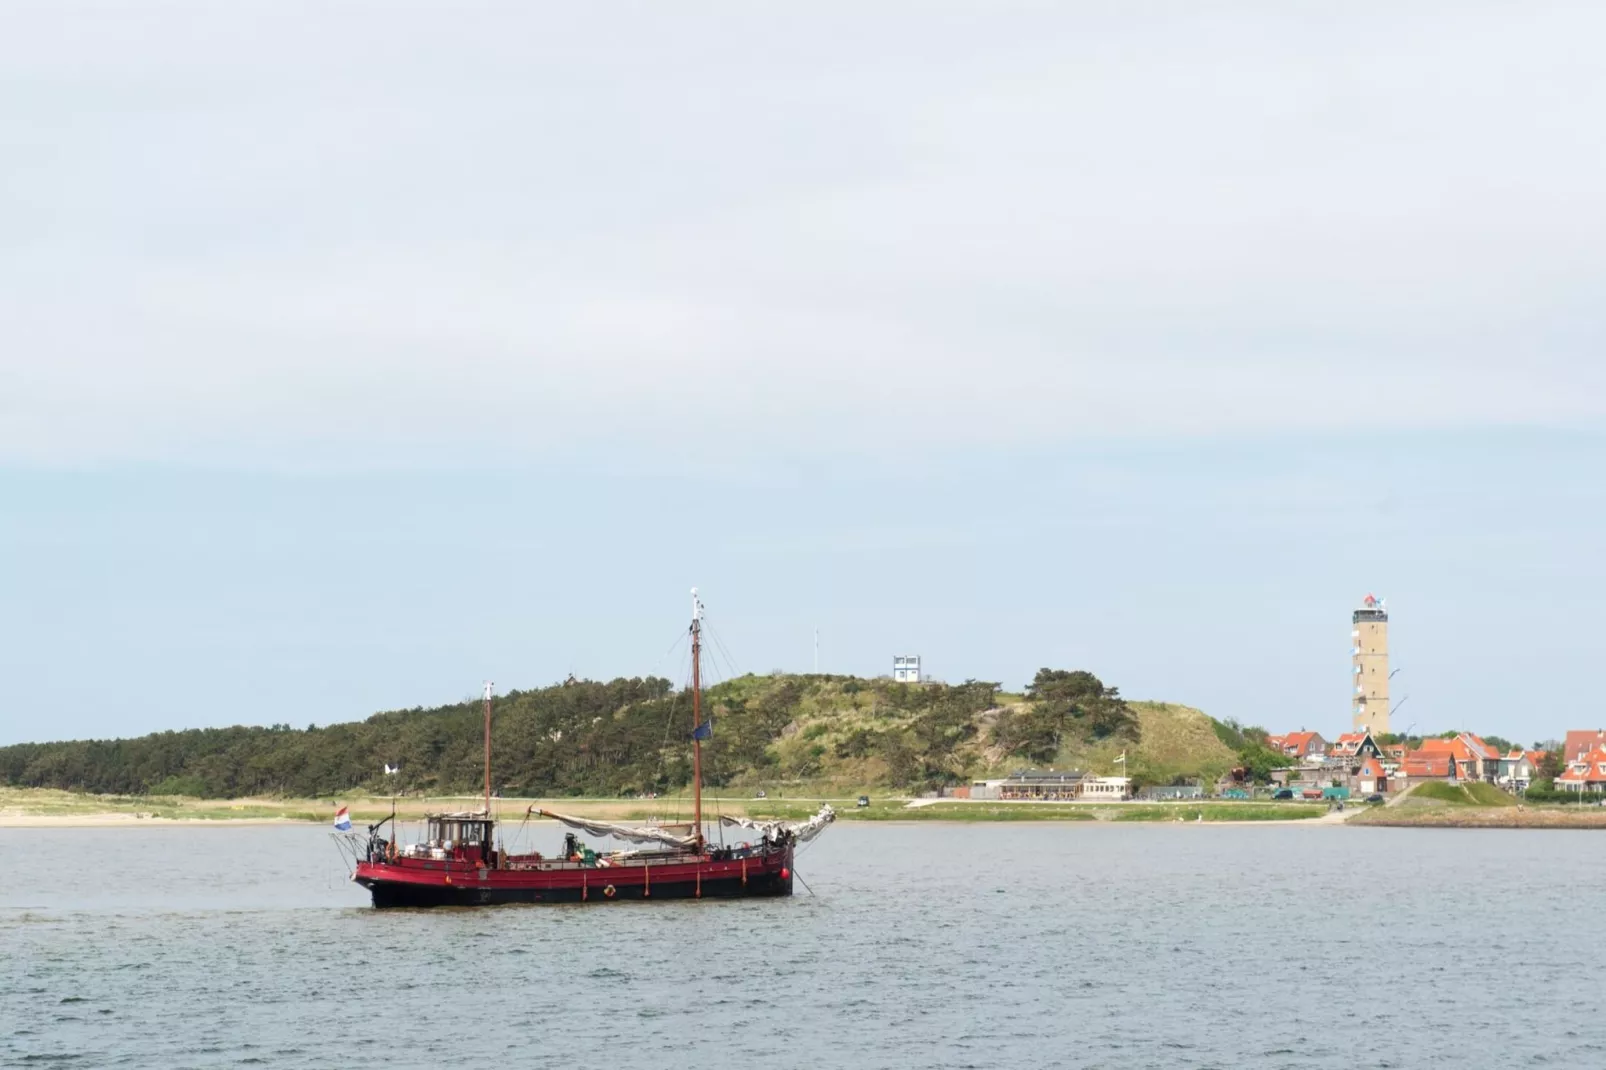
(803, 831)
(646, 834)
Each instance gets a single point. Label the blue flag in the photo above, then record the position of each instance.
(704, 730)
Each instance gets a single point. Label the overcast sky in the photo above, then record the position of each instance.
(1131, 337)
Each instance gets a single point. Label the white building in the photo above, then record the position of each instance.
(906, 668)
(1110, 788)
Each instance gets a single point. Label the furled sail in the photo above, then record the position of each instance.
(802, 831)
(645, 834)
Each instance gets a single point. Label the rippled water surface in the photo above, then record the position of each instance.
(924, 946)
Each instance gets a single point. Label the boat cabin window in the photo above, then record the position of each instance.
(453, 831)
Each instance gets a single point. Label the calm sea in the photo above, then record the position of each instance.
(923, 946)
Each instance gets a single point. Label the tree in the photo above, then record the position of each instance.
(1082, 697)
(1259, 761)
(1065, 706)
(1550, 766)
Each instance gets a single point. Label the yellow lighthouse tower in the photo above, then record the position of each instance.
(1369, 657)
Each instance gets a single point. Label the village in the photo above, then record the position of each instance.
(1369, 763)
(1354, 766)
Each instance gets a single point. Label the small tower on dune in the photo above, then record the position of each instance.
(1369, 657)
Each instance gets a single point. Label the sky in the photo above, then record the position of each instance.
(352, 355)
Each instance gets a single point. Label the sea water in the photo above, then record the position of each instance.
(922, 945)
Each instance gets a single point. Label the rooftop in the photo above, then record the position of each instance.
(1042, 776)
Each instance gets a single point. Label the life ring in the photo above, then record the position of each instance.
(610, 891)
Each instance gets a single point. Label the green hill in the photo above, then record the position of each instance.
(1472, 794)
(629, 736)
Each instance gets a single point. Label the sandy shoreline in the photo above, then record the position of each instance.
(124, 820)
(130, 821)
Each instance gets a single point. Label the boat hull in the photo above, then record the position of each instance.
(447, 884)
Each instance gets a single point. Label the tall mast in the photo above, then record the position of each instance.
(697, 715)
(489, 686)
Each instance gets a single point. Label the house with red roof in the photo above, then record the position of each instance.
(1474, 759)
(1580, 742)
(1303, 745)
(1420, 768)
(1586, 774)
(1370, 778)
(1354, 747)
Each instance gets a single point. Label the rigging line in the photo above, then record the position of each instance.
(729, 657)
(722, 660)
(673, 715)
(674, 712)
(681, 638)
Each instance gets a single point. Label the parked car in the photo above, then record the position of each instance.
(1283, 793)
(1375, 797)
(864, 800)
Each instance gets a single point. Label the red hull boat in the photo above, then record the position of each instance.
(459, 864)
(467, 880)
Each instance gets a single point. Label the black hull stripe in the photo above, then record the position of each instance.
(757, 886)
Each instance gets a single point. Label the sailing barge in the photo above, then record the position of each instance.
(459, 863)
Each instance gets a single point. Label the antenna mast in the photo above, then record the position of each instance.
(489, 687)
(697, 715)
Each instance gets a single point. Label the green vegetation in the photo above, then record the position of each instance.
(815, 735)
(1064, 707)
(1489, 795)
(1544, 790)
(1212, 811)
(1476, 794)
(61, 804)
(1449, 793)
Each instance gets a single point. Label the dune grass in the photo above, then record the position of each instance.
(1174, 741)
(1489, 795)
(1474, 794)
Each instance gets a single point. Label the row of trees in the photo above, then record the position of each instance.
(586, 737)
(626, 736)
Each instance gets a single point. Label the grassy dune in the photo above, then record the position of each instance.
(1438, 805)
(1478, 794)
(1175, 741)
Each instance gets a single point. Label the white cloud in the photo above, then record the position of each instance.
(251, 231)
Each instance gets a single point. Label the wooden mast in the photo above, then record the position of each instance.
(488, 686)
(697, 716)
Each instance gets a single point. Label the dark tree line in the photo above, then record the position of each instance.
(623, 737)
(580, 738)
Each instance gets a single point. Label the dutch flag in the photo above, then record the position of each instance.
(343, 819)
